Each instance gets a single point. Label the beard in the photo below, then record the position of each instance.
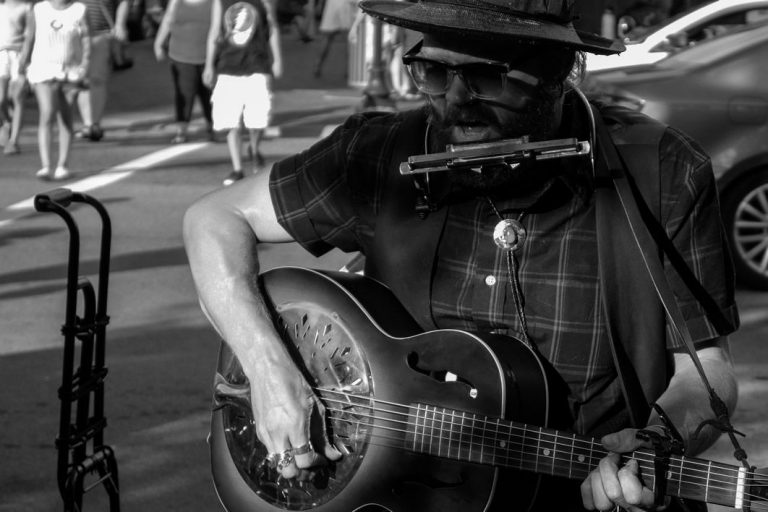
(538, 120)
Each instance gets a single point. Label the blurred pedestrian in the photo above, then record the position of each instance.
(14, 22)
(394, 42)
(182, 37)
(243, 56)
(338, 17)
(299, 14)
(107, 23)
(59, 46)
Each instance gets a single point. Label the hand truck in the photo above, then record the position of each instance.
(80, 444)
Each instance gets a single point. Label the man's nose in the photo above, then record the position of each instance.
(458, 93)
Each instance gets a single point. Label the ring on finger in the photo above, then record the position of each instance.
(303, 449)
(286, 459)
(272, 459)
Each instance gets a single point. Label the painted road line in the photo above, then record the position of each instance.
(108, 176)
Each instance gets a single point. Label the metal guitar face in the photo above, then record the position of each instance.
(331, 360)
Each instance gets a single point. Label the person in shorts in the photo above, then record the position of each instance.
(242, 56)
(15, 18)
(58, 69)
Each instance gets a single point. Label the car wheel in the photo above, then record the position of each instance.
(745, 213)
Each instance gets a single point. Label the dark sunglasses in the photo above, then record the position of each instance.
(485, 80)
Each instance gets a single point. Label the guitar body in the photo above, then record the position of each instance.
(349, 332)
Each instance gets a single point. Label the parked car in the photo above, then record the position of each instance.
(647, 45)
(717, 93)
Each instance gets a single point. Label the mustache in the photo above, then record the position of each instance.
(471, 113)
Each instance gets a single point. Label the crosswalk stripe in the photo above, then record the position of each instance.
(108, 176)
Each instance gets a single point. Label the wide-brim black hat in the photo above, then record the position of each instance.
(543, 21)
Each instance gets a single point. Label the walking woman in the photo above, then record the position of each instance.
(58, 68)
(182, 38)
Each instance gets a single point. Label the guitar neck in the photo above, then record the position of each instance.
(483, 440)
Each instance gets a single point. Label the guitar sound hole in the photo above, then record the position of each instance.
(331, 360)
(439, 374)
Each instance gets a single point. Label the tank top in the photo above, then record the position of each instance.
(58, 49)
(189, 30)
(13, 21)
(243, 47)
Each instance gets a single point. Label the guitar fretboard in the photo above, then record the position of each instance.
(467, 437)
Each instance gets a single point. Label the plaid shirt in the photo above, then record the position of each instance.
(327, 197)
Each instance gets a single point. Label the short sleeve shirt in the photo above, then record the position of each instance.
(328, 197)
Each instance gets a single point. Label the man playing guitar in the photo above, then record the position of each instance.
(489, 244)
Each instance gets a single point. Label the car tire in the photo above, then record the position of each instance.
(745, 214)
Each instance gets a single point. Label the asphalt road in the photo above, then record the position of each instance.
(161, 352)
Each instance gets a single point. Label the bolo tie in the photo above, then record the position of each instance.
(509, 235)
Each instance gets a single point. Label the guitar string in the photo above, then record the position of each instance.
(485, 420)
(585, 443)
(560, 463)
(689, 462)
(642, 457)
(645, 460)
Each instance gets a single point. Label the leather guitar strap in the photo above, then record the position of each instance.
(615, 170)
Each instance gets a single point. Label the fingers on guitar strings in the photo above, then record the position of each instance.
(319, 431)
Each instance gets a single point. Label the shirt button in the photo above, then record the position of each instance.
(490, 280)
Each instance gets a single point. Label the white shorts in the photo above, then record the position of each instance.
(241, 97)
(338, 15)
(9, 64)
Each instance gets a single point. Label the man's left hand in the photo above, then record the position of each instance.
(610, 484)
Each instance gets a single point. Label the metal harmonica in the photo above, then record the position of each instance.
(510, 151)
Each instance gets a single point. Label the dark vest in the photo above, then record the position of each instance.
(405, 248)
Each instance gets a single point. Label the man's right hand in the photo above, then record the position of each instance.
(290, 418)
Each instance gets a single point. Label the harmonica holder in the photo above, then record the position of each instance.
(509, 152)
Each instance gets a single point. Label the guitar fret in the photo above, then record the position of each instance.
(522, 446)
(581, 456)
(680, 475)
(432, 429)
(416, 426)
(554, 452)
(495, 441)
(570, 459)
(482, 440)
(442, 430)
(471, 439)
(706, 486)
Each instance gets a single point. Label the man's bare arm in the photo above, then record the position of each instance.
(221, 234)
(686, 400)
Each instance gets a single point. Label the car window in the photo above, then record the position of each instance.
(639, 33)
(713, 27)
(708, 51)
(719, 25)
